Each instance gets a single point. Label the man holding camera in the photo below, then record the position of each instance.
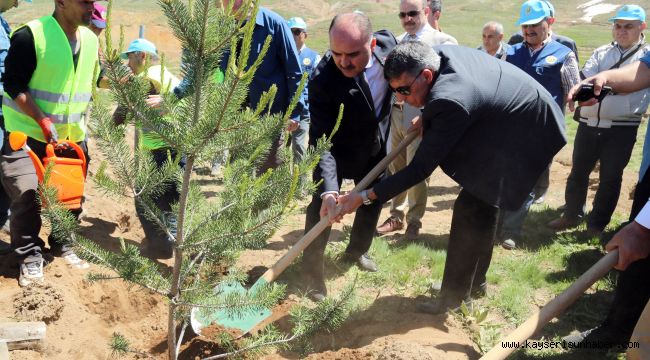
(607, 130)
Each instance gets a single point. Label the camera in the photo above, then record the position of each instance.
(586, 92)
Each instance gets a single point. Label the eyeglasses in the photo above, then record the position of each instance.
(412, 13)
(406, 90)
(296, 32)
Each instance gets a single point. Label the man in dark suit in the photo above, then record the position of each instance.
(490, 127)
(351, 73)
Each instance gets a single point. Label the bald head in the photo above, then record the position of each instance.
(351, 42)
(355, 26)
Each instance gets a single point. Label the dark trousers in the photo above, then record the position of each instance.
(633, 286)
(473, 227)
(363, 230)
(272, 160)
(163, 201)
(613, 148)
(21, 184)
(544, 181)
(171, 194)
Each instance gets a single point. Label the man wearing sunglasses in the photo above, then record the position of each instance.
(489, 127)
(413, 16)
(350, 73)
(555, 67)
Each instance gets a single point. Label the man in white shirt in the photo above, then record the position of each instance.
(607, 131)
(413, 16)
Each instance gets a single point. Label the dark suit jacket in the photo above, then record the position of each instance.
(488, 125)
(564, 40)
(358, 145)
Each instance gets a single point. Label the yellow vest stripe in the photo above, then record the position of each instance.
(61, 90)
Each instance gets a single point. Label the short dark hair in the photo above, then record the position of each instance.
(361, 20)
(435, 5)
(410, 57)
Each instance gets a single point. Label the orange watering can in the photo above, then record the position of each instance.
(68, 175)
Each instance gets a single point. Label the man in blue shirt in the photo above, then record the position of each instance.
(5, 31)
(308, 61)
(280, 67)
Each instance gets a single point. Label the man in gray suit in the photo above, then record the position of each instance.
(490, 127)
(413, 16)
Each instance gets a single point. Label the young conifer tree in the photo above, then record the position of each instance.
(211, 232)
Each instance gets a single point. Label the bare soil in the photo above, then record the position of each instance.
(82, 316)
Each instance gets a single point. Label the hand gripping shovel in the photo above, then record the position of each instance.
(202, 317)
(554, 308)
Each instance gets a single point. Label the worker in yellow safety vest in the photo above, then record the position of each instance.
(140, 54)
(49, 75)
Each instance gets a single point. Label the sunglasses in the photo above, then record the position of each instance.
(412, 13)
(406, 90)
(296, 31)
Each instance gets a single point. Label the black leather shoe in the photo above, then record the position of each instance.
(364, 262)
(476, 293)
(440, 306)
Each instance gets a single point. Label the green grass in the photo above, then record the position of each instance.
(520, 280)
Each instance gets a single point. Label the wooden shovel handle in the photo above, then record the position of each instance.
(275, 271)
(554, 308)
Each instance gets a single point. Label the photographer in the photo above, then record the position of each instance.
(607, 130)
(633, 286)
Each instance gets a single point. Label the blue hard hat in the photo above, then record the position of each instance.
(629, 12)
(534, 11)
(297, 23)
(143, 45)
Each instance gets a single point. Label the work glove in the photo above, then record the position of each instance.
(49, 131)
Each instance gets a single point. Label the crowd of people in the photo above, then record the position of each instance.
(491, 118)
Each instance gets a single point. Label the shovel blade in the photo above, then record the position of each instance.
(201, 318)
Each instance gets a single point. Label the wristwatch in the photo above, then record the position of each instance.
(364, 196)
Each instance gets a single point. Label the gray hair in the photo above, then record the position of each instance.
(498, 27)
(410, 57)
(435, 5)
(424, 3)
(360, 20)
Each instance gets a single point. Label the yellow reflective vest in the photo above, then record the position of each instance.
(60, 91)
(163, 82)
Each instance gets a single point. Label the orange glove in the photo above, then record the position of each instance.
(49, 131)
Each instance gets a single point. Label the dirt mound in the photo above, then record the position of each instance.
(38, 302)
(115, 306)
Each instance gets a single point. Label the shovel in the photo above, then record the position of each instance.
(554, 308)
(203, 317)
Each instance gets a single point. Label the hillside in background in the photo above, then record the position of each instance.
(461, 18)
